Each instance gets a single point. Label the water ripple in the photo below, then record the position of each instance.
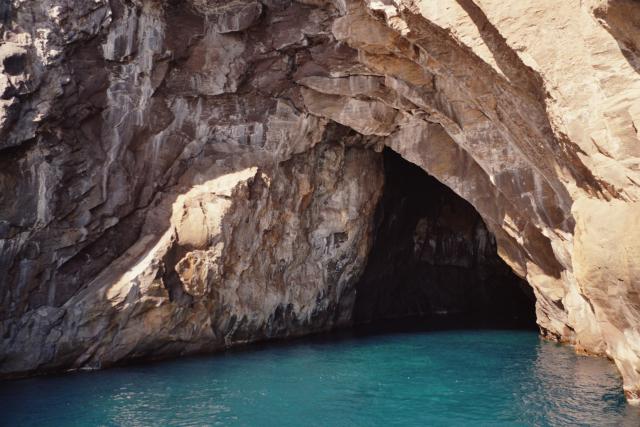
(422, 378)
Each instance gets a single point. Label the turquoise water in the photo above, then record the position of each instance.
(484, 377)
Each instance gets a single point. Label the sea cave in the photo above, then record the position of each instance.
(434, 260)
(285, 212)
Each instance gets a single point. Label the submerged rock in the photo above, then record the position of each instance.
(182, 176)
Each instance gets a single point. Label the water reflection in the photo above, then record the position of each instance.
(564, 384)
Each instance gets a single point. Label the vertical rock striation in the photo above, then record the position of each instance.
(181, 176)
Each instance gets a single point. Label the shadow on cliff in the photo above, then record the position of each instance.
(621, 18)
(519, 76)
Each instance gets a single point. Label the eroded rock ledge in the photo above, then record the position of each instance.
(177, 176)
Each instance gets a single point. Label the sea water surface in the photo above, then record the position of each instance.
(418, 378)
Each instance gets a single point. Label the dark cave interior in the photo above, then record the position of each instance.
(433, 261)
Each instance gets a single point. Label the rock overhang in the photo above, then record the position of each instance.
(538, 137)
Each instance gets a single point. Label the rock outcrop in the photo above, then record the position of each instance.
(178, 176)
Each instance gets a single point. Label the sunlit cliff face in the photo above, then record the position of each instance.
(110, 111)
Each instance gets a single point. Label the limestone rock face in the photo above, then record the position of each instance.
(182, 176)
(249, 255)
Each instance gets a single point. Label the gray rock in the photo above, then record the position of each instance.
(174, 176)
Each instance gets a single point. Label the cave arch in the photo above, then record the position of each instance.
(434, 260)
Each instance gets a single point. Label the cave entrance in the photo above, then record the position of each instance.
(433, 261)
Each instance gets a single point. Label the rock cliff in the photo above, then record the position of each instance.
(179, 176)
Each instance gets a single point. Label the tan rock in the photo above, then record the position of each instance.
(173, 177)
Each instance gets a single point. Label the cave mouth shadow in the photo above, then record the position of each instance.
(433, 263)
